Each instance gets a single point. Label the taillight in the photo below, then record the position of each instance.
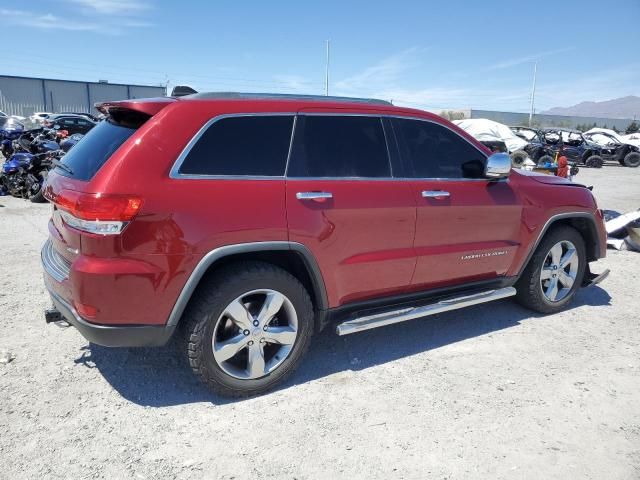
(98, 213)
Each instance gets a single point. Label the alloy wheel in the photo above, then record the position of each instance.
(255, 334)
(559, 271)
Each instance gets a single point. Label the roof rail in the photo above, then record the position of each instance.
(281, 96)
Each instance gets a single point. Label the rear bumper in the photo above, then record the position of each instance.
(110, 336)
(56, 274)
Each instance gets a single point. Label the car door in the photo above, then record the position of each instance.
(84, 125)
(345, 206)
(68, 124)
(467, 227)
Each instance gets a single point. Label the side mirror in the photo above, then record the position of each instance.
(498, 166)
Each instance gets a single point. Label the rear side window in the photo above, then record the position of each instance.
(95, 148)
(434, 151)
(339, 146)
(242, 146)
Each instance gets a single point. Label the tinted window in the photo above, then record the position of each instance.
(251, 145)
(340, 146)
(434, 151)
(86, 158)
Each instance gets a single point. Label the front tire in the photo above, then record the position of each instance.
(594, 161)
(247, 328)
(555, 271)
(632, 160)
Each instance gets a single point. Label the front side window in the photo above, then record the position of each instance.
(339, 147)
(241, 146)
(431, 150)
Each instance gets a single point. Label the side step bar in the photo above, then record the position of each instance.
(409, 313)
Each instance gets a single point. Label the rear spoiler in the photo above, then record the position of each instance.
(147, 106)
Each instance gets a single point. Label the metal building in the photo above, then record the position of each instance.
(25, 95)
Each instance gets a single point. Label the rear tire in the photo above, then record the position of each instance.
(594, 161)
(535, 289)
(38, 197)
(632, 160)
(545, 159)
(236, 355)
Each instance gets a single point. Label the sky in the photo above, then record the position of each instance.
(433, 55)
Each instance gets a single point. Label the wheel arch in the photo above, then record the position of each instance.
(583, 222)
(291, 256)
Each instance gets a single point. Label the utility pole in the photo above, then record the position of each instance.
(326, 79)
(533, 93)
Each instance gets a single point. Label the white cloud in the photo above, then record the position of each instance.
(45, 21)
(526, 59)
(48, 21)
(113, 7)
(382, 73)
(292, 83)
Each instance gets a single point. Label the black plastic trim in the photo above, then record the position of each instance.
(549, 223)
(222, 252)
(112, 336)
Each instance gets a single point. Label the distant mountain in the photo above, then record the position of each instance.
(625, 107)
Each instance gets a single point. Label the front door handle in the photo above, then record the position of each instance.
(317, 196)
(437, 194)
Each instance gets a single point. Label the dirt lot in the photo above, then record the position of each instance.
(488, 392)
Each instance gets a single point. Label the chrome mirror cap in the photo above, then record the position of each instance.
(498, 166)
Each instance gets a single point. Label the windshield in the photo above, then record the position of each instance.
(93, 150)
(601, 138)
(526, 134)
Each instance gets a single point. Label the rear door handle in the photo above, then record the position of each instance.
(314, 195)
(437, 194)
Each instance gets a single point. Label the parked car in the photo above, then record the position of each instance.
(545, 143)
(39, 117)
(632, 138)
(613, 148)
(243, 223)
(91, 117)
(481, 129)
(17, 117)
(69, 122)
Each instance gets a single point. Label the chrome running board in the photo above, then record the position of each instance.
(409, 313)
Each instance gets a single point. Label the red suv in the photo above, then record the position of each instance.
(245, 223)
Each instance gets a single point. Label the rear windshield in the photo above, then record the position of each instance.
(95, 148)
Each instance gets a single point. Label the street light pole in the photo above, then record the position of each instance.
(533, 92)
(326, 79)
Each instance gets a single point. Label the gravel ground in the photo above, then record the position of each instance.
(488, 392)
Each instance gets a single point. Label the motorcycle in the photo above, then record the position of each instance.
(67, 143)
(10, 130)
(24, 173)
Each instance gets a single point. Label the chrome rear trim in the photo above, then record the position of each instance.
(54, 264)
(396, 316)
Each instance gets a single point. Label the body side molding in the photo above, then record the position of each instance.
(227, 250)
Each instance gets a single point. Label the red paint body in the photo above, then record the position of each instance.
(373, 238)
